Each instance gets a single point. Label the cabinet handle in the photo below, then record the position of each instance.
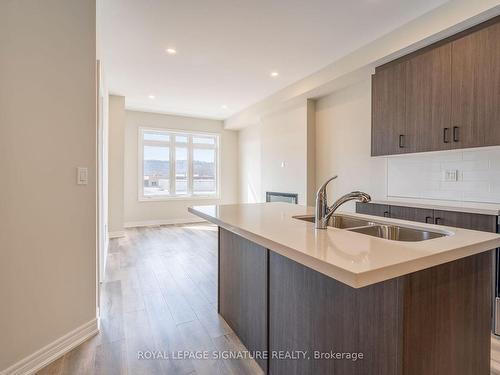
(401, 141)
(386, 213)
(455, 134)
(428, 219)
(445, 135)
(438, 221)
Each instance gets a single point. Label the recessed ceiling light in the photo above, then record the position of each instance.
(171, 51)
(152, 97)
(223, 106)
(274, 74)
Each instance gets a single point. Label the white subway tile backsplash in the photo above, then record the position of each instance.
(467, 165)
(476, 175)
(422, 175)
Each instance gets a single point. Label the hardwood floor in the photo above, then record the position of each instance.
(495, 355)
(159, 294)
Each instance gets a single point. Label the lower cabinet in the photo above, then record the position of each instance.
(485, 223)
(243, 289)
(314, 313)
(434, 321)
(421, 215)
(373, 209)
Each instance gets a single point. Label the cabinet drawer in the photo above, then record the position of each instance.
(485, 223)
(373, 209)
(422, 215)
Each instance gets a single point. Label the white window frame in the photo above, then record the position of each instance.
(172, 146)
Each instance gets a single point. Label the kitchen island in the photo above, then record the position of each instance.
(341, 301)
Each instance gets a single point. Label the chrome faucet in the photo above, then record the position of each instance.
(323, 212)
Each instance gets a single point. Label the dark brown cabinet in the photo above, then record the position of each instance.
(485, 223)
(372, 209)
(304, 319)
(445, 96)
(388, 121)
(476, 88)
(428, 100)
(434, 321)
(422, 215)
(243, 290)
(314, 313)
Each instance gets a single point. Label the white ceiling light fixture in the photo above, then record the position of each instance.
(274, 74)
(171, 51)
(151, 97)
(223, 106)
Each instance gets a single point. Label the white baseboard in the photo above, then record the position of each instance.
(54, 350)
(117, 234)
(149, 223)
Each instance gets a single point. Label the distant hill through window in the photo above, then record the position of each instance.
(201, 169)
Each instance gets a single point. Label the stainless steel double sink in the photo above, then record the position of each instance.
(380, 230)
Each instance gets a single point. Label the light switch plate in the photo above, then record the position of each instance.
(450, 175)
(82, 176)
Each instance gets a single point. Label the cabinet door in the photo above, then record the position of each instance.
(428, 100)
(373, 209)
(422, 215)
(476, 88)
(314, 313)
(243, 290)
(388, 111)
(486, 223)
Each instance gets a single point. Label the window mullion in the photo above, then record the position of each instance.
(190, 165)
(172, 169)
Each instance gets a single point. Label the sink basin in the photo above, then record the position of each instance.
(338, 221)
(370, 228)
(395, 233)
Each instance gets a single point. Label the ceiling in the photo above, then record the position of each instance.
(227, 49)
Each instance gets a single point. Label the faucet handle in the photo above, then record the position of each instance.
(323, 187)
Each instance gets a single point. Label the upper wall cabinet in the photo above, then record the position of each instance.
(442, 97)
(476, 88)
(428, 100)
(388, 110)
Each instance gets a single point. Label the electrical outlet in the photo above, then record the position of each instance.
(450, 175)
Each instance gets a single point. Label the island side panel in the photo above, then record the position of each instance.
(447, 318)
(309, 311)
(243, 290)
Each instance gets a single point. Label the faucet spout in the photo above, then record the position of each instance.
(323, 212)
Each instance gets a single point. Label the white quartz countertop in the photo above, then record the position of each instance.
(471, 207)
(352, 258)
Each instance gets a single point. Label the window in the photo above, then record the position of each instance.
(174, 164)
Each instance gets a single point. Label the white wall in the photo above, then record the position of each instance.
(284, 152)
(116, 157)
(140, 213)
(343, 138)
(250, 165)
(422, 175)
(274, 154)
(47, 130)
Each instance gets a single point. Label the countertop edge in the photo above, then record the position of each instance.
(340, 274)
(352, 279)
